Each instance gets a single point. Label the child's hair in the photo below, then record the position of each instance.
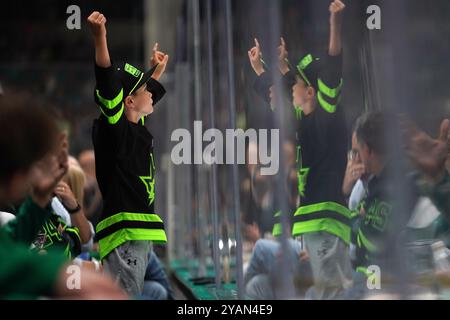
(76, 178)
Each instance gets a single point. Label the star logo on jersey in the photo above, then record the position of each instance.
(149, 182)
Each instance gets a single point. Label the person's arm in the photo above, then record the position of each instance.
(254, 55)
(109, 92)
(330, 79)
(353, 173)
(97, 22)
(429, 156)
(78, 218)
(288, 79)
(283, 57)
(45, 174)
(158, 61)
(263, 81)
(337, 8)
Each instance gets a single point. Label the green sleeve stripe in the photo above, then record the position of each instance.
(110, 104)
(328, 107)
(330, 92)
(115, 118)
(277, 230)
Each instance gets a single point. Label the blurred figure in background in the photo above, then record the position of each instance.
(34, 160)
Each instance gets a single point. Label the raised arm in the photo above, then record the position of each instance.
(109, 93)
(254, 55)
(159, 59)
(337, 8)
(97, 22)
(429, 156)
(283, 57)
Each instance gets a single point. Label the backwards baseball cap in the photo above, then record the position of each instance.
(132, 78)
(308, 69)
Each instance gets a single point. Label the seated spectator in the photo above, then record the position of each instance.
(33, 162)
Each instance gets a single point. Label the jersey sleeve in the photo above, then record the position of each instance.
(330, 83)
(109, 95)
(262, 86)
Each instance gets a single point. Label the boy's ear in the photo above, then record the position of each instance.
(129, 102)
(311, 91)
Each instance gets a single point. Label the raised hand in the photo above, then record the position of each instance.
(66, 195)
(354, 171)
(47, 173)
(337, 8)
(282, 57)
(428, 154)
(254, 55)
(160, 59)
(97, 22)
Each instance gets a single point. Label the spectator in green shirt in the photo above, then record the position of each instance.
(33, 160)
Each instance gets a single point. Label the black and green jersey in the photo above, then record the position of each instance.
(378, 229)
(25, 274)
(322, 156)
(322, 141)
(125, 168)
(56, 235)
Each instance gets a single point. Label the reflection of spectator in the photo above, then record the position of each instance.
(263, 274)
(379, 229)
(430, 156)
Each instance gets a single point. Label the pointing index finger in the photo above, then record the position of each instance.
(257, 43)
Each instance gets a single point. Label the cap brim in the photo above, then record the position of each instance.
(145, 78)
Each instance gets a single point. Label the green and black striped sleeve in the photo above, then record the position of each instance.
(330, 83)
(109, 94)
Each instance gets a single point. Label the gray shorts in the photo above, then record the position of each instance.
(127, 264)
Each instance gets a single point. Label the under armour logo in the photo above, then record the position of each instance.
(132, 261)
(322, 252)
